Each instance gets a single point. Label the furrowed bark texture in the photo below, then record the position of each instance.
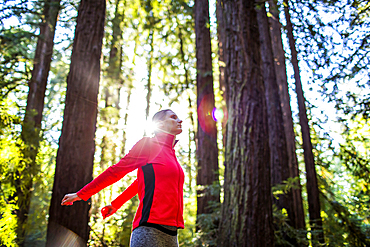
(32, 120)
(278, 147)
(68, 226)
(281, 77)
(312, 186)
(246, 218)
(207, 132)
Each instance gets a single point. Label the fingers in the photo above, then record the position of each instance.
(69, 199)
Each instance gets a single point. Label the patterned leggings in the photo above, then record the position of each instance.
(144, 236)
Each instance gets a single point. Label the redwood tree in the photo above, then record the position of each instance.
(317, 234)
(69, 225)
(32, 120)
(207, 153)
(282, 81)
(221, 62)
(246, 218)
(277, 139)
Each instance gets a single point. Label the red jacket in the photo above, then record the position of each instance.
(160, 181)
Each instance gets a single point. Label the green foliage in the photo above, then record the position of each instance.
(207, 224)
(283, 230)
(287, 185)
(15, 59)
(8, 223)
(36, 225)
(9, 157)
(344, 186)
(336, 50)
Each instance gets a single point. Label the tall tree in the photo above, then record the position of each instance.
(312, 187)
(151, 20)
(187, 82)
(76, 144)
(207, 153)
(31, 126)
(281, 77)
(246, 218)
(221, 62)
(277, 140)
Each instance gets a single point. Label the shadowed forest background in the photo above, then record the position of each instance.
(274, 97)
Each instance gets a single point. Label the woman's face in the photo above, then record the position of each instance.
(171, 124)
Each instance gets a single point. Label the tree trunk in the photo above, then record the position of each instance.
(207, 153)
(69, 225)
(32, 120)
(150, 68)
(246, 218)
(114, 68)
(281, 77)
(192, 134)
(221, 63)
(277, 140)
(317, 234)
(129, 90)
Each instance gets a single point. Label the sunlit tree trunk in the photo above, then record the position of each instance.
(278, 147)
(192, 134)
(32, 120)
(317, 234)
(125, 119)
(246, 218)
(221, 63)
(207, 153)
(150, 26)
(112, 82)
(281, 77)
(150, 68)
(68, 226)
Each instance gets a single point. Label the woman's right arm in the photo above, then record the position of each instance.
(136, 158)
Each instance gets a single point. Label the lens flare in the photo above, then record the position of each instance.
(217, 114)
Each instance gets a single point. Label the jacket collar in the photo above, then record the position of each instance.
(166, 139)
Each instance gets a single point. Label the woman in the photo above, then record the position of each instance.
(159, 185)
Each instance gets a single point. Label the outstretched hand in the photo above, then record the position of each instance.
(69, 199)
(108, 211)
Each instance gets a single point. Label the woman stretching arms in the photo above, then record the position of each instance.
(160, 180)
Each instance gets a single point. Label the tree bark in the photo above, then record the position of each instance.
(32, 120)
(221, 47)
(317, 234)
(246, 218)
(69, 225)
(281, 77)
(277, 140)
(221, 63)
(207, 153)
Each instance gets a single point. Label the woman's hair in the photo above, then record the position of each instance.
(159, 116)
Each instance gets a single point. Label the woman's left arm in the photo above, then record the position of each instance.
(126, 195)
